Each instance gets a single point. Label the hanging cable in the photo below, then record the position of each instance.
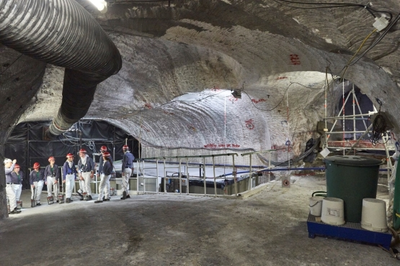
(317, 5)
(387, 29)
(354, 55)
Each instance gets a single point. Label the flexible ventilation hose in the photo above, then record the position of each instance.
(63, 33)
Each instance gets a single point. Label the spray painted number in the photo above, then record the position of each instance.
(295, 59)
(249, 124)
(258, 101)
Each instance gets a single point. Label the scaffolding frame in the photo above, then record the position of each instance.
(354, 117)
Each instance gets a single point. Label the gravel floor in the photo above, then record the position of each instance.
(268, 228)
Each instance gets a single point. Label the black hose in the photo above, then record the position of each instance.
(294, 160)
(63, 33)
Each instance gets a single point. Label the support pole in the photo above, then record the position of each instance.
(187, 176)
(204, 175)
(180, 176)
(234, 175)
(215, 182)
(251, 172)
(354, 112)
(165, 178)
(157, 175)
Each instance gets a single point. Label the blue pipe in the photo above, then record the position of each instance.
(287, 169)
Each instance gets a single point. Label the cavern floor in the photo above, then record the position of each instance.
(266, 229)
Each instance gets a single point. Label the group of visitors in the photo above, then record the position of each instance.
(84, 172)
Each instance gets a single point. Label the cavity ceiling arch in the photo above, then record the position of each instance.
(277, 61)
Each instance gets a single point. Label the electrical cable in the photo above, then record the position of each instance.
(283, 98)
(276, 106)
(354, 55)
(387, 29)
(336, 5)
(294, 160)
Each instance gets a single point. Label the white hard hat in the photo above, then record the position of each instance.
(6, 160)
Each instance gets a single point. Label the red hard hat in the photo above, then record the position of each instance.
(106, 154)
(36, 165)
(16, 166)
(69, 155)
(82, 150)
(125, 147)
(51, 158)
(103, 148)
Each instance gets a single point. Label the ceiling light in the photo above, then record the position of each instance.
(101, 5)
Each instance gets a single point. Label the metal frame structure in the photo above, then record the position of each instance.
(347, 145)
(182, 166)
(251, 172)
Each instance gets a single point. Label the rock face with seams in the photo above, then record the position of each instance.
(181, 62)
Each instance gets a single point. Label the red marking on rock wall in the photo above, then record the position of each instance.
(279, 78)
(148, 106)
(249, 124)
(258, 101)
(295, 59)
(215, 88)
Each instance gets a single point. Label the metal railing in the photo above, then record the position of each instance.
(181, 173)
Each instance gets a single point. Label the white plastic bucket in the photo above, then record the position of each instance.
(332, 211)
(316, 205)
(373, 215)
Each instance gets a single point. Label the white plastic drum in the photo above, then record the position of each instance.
(316, 205)
(373, 215)
(332, 211)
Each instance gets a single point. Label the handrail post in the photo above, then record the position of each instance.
(157, 175)
(165, 177)
(234, 174)
(187, 176)
(204, 175)
(251, 172)
(215, 181)
(180, 176)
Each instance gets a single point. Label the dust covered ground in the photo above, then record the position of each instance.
(268, 228)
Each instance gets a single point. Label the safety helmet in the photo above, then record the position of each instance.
(82, 150)
(103, 148)
(106, 154)
(7, 160)
(16, 166)
(36, 165)
(125, 147)
(70, 155)
(51, 158)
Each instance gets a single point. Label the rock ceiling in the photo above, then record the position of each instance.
(182, 58)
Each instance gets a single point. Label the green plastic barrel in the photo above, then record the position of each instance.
(352, 178)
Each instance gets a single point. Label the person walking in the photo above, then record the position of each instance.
(36, 179)
(10, 192)
(105, 176)
(103, 149)
(52, 176)
(17, 178)
(69, 176)
(127, 168)
(86, 172)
